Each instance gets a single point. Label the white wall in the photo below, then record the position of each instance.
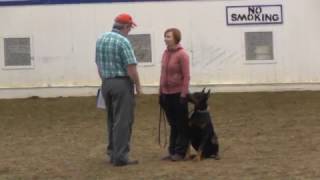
(63, 43)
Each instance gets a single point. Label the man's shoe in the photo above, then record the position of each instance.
(110, 161)
(130, 162)
(177, 157)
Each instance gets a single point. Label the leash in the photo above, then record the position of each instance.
(190, 113)
(162, 117)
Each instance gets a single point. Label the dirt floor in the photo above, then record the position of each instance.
(263, 136)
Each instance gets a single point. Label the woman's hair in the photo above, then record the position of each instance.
(176, 34)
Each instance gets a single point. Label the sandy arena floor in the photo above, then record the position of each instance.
(263, 136)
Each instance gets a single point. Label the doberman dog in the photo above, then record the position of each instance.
(201, 130)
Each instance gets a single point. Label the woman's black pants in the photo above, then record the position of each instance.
(177, 115)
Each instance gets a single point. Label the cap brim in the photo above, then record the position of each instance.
(133, 24)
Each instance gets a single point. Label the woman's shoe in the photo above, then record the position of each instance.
(177, 157)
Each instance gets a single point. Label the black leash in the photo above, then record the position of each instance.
(163, 118)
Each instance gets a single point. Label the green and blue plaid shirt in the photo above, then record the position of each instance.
(113, 53)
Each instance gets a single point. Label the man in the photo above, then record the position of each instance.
(117, 67)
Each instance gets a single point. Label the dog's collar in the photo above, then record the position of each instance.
(201, 111)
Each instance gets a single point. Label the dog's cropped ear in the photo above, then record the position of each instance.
(208, 93)
(203, 90)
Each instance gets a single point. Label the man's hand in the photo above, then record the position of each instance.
(139, 90)
(134, 76)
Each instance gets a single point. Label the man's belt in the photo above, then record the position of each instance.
(118, 77)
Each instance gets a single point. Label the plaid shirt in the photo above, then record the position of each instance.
(113, 53)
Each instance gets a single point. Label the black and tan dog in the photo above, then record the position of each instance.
(201, 130)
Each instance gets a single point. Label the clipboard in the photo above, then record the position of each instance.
(101, 104)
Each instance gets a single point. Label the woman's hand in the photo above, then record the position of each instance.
(183, 100)
(162, 99)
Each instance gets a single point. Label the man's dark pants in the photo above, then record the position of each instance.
(119, 97)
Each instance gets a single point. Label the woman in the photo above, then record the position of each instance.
(174, 86)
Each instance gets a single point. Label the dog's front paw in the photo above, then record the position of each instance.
(192, 156)
(198, 156)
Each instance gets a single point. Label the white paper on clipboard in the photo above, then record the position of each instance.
(100, 100)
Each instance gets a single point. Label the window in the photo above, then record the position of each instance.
(142, 47)
(17, 52)
(259, 46)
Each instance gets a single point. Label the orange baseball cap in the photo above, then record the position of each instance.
(125, 18)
